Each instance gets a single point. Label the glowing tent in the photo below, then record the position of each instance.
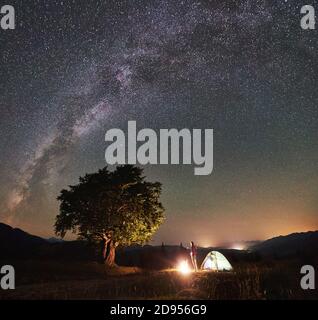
(215, 261)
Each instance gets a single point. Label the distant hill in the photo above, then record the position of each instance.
(54, 240)
(16, 242)
(295, 244)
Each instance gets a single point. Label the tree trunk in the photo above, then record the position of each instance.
(108, 251)
(104, 245)
(110, 258)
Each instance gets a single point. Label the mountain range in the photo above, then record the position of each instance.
(16, 243)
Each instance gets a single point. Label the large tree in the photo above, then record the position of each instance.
(111, 207)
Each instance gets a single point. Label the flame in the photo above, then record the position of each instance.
(184, 267)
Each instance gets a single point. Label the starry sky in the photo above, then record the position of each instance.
(73, 69)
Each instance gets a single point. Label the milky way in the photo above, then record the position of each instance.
(72, 70)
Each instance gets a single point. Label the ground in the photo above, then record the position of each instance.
(66, 280)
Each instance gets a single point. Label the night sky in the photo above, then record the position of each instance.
(73, 69)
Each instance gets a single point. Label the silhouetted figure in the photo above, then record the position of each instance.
(193, 254)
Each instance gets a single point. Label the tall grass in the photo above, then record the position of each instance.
(52, 280)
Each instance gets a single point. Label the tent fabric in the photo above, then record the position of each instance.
(216, 261)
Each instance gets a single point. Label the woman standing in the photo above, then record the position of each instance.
(193, 254)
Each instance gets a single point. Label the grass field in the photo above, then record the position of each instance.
(59, 280)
